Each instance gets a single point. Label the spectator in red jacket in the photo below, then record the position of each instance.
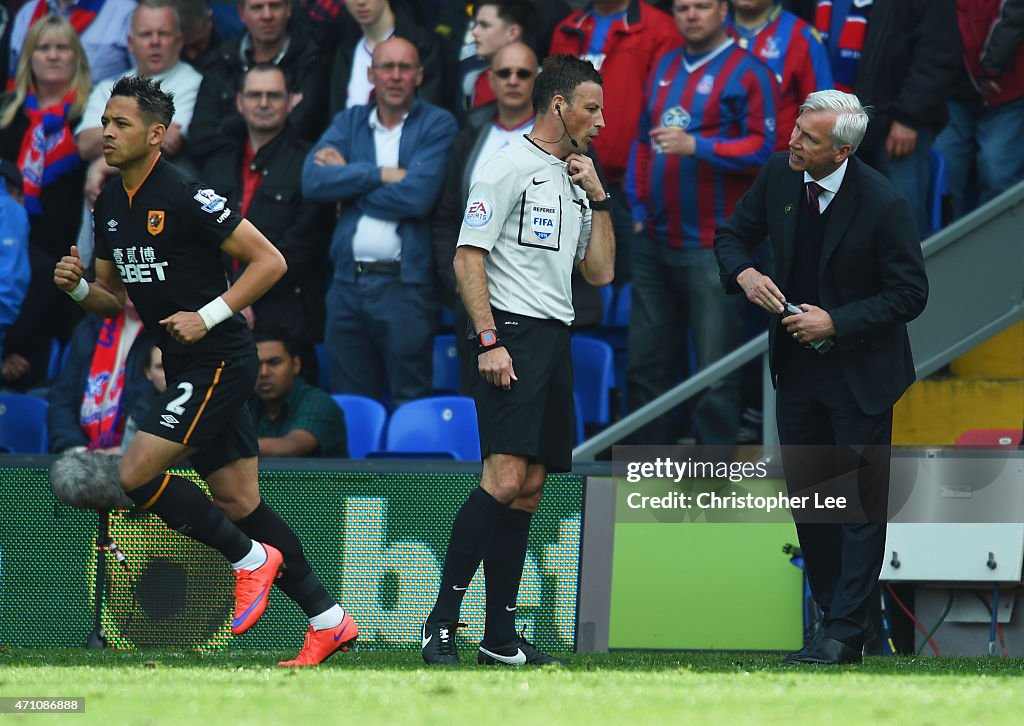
(986, 119)
(623, 39)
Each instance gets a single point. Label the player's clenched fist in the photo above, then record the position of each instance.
(69, 271)
(185, 327)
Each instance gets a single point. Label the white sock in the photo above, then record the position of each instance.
(254, 560)
(329, 618)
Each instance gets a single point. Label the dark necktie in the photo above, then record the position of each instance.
(814, 190)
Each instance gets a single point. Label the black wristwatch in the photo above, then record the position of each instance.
(487, 340)
(605, 205)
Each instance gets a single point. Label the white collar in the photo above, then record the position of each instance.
(377, 125)
(707, 57)
(833, 181)
(246, 44)
(158, 76)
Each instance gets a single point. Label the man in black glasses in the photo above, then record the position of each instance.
(488, 129)
(497, 23)
(258, 172)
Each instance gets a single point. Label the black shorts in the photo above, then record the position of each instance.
(205, 406)
(536, 418)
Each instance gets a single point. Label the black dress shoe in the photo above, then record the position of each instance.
(819, 633)
(827, 652)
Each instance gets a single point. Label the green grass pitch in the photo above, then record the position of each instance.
(622, 688)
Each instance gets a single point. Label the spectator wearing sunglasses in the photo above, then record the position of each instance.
(497, 23)
(488, 129)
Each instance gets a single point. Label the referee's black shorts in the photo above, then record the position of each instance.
(204, 406)
(536, 418)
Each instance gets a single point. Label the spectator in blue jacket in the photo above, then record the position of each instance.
(384, 165)
(14, 267)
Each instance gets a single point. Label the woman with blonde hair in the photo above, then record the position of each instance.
(37, 120)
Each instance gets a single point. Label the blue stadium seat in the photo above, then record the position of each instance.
(937, 188)
(365, 421)
(446, 364)
(23, 424)
(447, 318)
(323, 363)
(435, 427)
(594, 375)
(580, 435)
(56, 359)
(607, 303)
(621, 311)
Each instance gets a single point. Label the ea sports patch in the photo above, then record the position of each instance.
(478, 212)
(676, 117)
(211, 201)
(542, 219)
(155, 222)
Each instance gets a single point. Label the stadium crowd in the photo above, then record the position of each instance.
(357, 166)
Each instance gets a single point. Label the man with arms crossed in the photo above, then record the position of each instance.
(535, 210)
(161, 235)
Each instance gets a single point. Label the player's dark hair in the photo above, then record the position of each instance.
(264, 68)
(514, 12)
(559, 76)
(268, 333)
(155, 104)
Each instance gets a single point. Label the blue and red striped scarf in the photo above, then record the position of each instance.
(101, 416)
(843, 26)
(48, 149)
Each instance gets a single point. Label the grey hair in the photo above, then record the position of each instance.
(157, 4)
(851, 117)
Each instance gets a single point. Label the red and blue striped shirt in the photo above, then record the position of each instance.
(727, 100)
(797, 57)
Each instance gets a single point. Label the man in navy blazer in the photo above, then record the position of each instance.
(847, 255)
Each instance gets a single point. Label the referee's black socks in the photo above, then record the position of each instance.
(297, 581)
(475, 525)
(503, 569)
(184, 507)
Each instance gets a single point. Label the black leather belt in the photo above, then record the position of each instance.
(381, 268)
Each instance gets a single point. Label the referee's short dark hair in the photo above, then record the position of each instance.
(155, 104)
(559, 76)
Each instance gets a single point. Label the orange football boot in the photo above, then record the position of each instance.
(322, 644)
(252, 590)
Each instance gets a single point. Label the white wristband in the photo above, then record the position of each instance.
(215, 312)
(81, 290)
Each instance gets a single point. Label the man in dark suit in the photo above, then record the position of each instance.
(847, 253)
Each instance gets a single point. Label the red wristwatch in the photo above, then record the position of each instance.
(487, 339)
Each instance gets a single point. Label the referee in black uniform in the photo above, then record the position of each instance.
(160, 234)
(536, 210)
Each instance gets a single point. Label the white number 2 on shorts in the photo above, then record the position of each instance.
(186, 393)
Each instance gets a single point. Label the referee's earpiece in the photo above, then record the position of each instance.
(558, 110)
